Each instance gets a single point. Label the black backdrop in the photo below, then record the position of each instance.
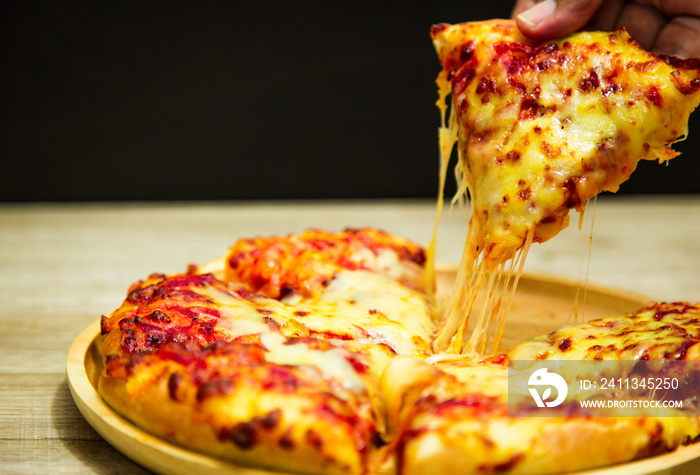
(234, 100)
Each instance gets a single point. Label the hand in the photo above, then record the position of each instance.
(661, 26)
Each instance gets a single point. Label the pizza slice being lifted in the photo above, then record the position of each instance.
(542, 128)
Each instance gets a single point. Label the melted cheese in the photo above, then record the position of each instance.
(661, 331)
(331, 363)
(447, 137)
(239, 316)
(357, 305)
(301, 265)
(386, 313)
(542, 129)
(375, 298)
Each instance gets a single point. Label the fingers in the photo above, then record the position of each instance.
(535, 15)
(680, 37)
(643, 23)
(662, 26)
(549, 19)
(672, 8)
(605, 19)
(522, 5)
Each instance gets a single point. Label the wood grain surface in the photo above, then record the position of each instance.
(63, 265)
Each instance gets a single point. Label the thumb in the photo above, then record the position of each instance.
(550, 19)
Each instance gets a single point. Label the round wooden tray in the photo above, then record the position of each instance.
(541, 304)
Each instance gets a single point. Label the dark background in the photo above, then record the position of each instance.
(234, 100)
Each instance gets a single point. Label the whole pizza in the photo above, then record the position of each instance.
(328, 352)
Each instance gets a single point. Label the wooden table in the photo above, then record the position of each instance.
(65, 265)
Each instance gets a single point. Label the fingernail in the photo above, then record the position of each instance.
(537, 14)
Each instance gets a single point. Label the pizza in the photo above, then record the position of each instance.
(542, 128)
(276, 362)
(311, 353)
(328, 352)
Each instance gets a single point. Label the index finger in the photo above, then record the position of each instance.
(521, 6)
(680, 37)
(568, 17)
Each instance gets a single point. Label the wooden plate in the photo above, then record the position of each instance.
(541, 304)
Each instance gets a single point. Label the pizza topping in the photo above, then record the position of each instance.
(158, 316)
(659, 331)
(476, 404)
(286, 441)
(174, 382)
(216, 387)
(331, 363)
(504, 466)
(672, 309)
(178, 287)
(305, 264)
(683, 348)
(141, 334)
(565, 344)
(244, 435)
(314, 439)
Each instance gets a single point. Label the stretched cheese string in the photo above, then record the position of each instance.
(516, 273)
(588, 263)
(578, 317)
(477, 271)
(447, 137)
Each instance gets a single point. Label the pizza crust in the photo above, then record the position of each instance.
(249, 425)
